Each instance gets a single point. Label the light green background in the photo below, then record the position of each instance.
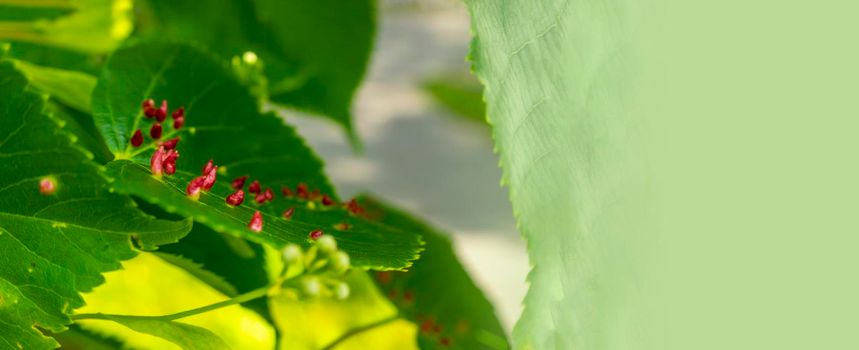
(752, 142)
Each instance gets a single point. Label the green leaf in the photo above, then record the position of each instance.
(551, 71)
(91, 26)
(56, 245)
(315, 52)
(436, 293)
(461, 95)
(72, 88)
(223, 124)
(187, 336)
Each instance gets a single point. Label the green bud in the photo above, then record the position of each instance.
(292, 254)
(341, 291)
(340, 262)
(326, 244)
(310, 286)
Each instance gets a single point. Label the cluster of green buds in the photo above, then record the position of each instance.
(318, 271)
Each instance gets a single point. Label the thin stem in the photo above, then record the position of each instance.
(360, 329)
(254, 294)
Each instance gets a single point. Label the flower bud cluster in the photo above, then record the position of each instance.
(317, 271)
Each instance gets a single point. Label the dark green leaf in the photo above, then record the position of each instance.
(222, 123)
(437, 293)
(57, 245)
(315, 52)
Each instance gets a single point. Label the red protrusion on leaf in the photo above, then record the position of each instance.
(427, 325)
(408, 296)
(342, 226)
(302, 191)
(269, 194)
(327, 201)
(168, 161)
(47, 187)
(256, 222)
(315, 195)
(239, 182)
(236, 198)
(286, 192)
(444, 341)
(155, 163)
(178, 123)
(353, 207)
(155, 131)
(254, 187)
(210, 177)
(161, 113)
(208, 167)
(287, 214)
(171, 143)
(315, 234)
(178, 113)
(384, 277)
(149, 108)
(260, 198)
(137, 138)
(195, 186)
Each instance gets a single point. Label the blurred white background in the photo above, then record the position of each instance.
(420, 156)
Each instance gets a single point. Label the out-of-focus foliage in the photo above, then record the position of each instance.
(462, 95)
(314, 52)
(436, 293)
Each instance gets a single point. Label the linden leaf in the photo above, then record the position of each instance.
(315, 52)
(436, 293)
(223, 124)
(60, 228)
(555, 94)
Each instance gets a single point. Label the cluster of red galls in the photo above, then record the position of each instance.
(159, 114)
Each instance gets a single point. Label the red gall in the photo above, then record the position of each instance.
(254, 187)
(256, 222)
(194, 187)
(137, 138)
(155, 131)
(178, 123)
(161, 113)
(47, 187)
(239, 182)
(315, 234)
(286, 191)
(327, 201)
(171, 143)
(210, 178)
(269, 194)
(236, 198)
(156, 162)
(287, 214)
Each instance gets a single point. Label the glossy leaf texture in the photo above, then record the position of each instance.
(223, 124)
(436, 293)
(315, 52)
(60, 228)
(86, 26)
(187, 336)
(553, 72)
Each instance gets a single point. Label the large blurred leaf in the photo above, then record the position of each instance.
(223, 124)
(91, 26)
(436, 293)
(55, 245)
(315, 52)
(551, 73)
